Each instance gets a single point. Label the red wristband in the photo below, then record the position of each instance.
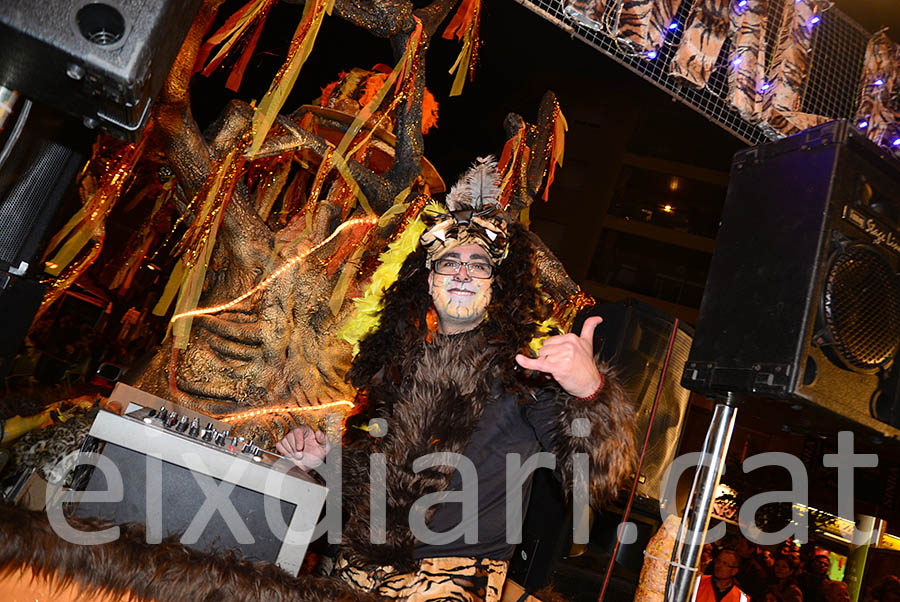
(594, 395)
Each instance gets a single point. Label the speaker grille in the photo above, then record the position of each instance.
(862, 308)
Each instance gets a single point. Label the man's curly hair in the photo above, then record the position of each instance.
(515, 310)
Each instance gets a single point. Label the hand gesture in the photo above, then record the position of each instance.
(569, 359)
(304, 447)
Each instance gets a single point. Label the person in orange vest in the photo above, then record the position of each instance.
(721, 586)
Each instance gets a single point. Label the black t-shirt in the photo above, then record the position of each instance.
(506, 427)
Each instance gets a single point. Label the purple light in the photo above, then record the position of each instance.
(878, 82)
(863, 124)
(673, 25)
(737, 61)
(742, 4)
(651, 54)
(765, 86)
(814, 20)
(896, 142)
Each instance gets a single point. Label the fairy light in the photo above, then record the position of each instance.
(277, 273)
(264, 411)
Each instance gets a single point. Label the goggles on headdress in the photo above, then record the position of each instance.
(474, 215)
(485, 228)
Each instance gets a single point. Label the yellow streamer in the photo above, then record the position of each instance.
(72, 273)
(301, 46)
(175, 279)
(192, 287)
(343, 283)
(89, 222)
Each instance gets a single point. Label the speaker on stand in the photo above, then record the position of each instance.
(802, 301)
(647, 349)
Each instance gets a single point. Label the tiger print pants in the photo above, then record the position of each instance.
(452, 579)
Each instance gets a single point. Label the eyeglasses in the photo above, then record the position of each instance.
(451, 267)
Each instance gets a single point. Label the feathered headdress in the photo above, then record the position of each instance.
(474, 217)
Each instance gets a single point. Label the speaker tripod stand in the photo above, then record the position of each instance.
(692, 533)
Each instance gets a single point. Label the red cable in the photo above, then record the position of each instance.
(637, 472)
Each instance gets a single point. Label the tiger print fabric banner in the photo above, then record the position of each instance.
(704, 34)
(747, 72)
(880, 82)
(769, 49)
(789, 69)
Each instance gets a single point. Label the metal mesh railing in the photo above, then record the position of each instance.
(832, 83)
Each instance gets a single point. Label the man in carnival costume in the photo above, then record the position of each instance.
(445, 364)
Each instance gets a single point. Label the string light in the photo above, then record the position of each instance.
(863, 124)
(651, 55)
(765, 86)
(814, 20)
(896, 142)
(673, 25)
(878, 82)
(263, 411)
(737, 61)
(285, 267)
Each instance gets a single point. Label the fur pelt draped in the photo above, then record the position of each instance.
(608, 439)
(161, 572)
(434, 409)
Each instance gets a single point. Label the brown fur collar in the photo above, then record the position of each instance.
(608, 439)
(441, 394)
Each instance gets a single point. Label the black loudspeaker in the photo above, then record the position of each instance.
(102, 62)
(647, 349)
(36, 178)
(38, 174)
(802, 299)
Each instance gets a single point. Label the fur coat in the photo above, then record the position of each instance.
(431, 401)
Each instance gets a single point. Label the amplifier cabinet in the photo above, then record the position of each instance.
(102, 62)
(218, 495)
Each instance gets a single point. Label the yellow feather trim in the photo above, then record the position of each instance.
(367, 316)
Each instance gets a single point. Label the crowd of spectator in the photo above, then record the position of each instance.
(737, 569)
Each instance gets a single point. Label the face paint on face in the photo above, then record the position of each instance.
(460, 300)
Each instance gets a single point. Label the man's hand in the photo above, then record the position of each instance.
(304, 447)
(569, 359)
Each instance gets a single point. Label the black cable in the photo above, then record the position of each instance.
(17, 128)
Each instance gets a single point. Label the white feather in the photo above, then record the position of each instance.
(477, 187)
